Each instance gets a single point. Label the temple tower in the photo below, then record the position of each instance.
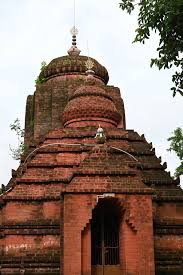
(90, 196)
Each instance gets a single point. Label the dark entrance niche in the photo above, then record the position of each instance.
(105, 238)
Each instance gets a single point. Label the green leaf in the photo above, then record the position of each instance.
(165, 18)
(176, 145)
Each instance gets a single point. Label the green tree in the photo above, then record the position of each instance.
(166, 18)
(176, 145)
(41, 79)
(20, 150)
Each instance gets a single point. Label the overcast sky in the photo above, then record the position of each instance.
(35, 30)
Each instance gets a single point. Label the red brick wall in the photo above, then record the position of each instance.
(167, 211)
(77, 214)
(169, 243)
(25, 212)
(31, 234)
(129, 256)
(19, 245)
(86, 250)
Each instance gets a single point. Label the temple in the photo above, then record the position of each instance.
(90, 197)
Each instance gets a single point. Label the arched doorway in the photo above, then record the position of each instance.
(105, 238)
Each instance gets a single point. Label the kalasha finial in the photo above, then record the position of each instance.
(74, 51)
(89, 64)
(100, 135)
(90, 79)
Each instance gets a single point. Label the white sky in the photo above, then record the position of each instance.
(35, 30)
